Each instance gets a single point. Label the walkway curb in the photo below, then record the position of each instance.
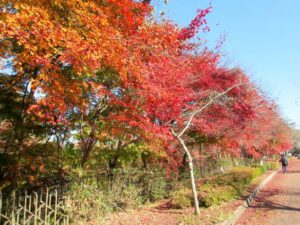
(241, 209)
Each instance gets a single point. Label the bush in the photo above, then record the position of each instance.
(86, 205)
(122, 196)
(263, 168)
(228, 186)
(242, 177)
(239, 176)
(273, 165)
(225, 162)
(215, 195)
(154, 185)
(120, 190)
(181, 198)
(151, 184)
(268, 166)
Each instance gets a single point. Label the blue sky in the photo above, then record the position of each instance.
(262, 37)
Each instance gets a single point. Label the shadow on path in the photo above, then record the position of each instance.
(265, 204)
(293, 171)
(263, 200)
(279, 201)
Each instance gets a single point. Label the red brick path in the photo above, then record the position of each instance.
(279, 202)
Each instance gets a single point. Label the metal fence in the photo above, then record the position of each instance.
(43, 207)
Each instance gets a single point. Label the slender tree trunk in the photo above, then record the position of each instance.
(190, 158)
(84, 158)
(86, 149)
(144, 160)
(184, 164)
(60, 163)
(191, 167)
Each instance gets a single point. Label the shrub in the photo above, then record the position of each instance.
(154, 185)
(86, 205)
(181, 198)
(268, 166)
(215, 195)
(263, 168)
(242, 177)
(225, 162)
(225, 187)
(122, 189)
(157, 190)
(273, 165)
(238, 175)
(128, 196)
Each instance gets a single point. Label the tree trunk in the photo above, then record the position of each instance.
(144, 160)
(191, 167)
(84, 158)
(190, 158)
(60, 163)
(183, 167)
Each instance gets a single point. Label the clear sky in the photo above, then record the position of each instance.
(262, 37)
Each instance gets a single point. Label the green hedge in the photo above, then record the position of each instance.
(227, 186)
(224, 187)
(210, 195)
(268, 166)
(181, 198)
(273, 165)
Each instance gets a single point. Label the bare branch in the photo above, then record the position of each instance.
(209, 103)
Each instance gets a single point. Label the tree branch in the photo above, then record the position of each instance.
(209, 103)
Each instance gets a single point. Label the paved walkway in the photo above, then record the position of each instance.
(279, 202)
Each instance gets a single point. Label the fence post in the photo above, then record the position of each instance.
(40, 202)
(55, 207)
(50, 203)
(13, 207)
(18, 209)
(46, 206)
(35, 207)
(0, 205)
(67, 210)
(25, 207)
(30, 201)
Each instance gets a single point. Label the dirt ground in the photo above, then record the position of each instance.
(161, 214)
(279, 202)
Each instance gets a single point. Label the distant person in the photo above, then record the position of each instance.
(284, 162)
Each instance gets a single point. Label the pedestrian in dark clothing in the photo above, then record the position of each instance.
(284, 163)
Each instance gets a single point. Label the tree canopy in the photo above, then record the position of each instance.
(104, 75)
